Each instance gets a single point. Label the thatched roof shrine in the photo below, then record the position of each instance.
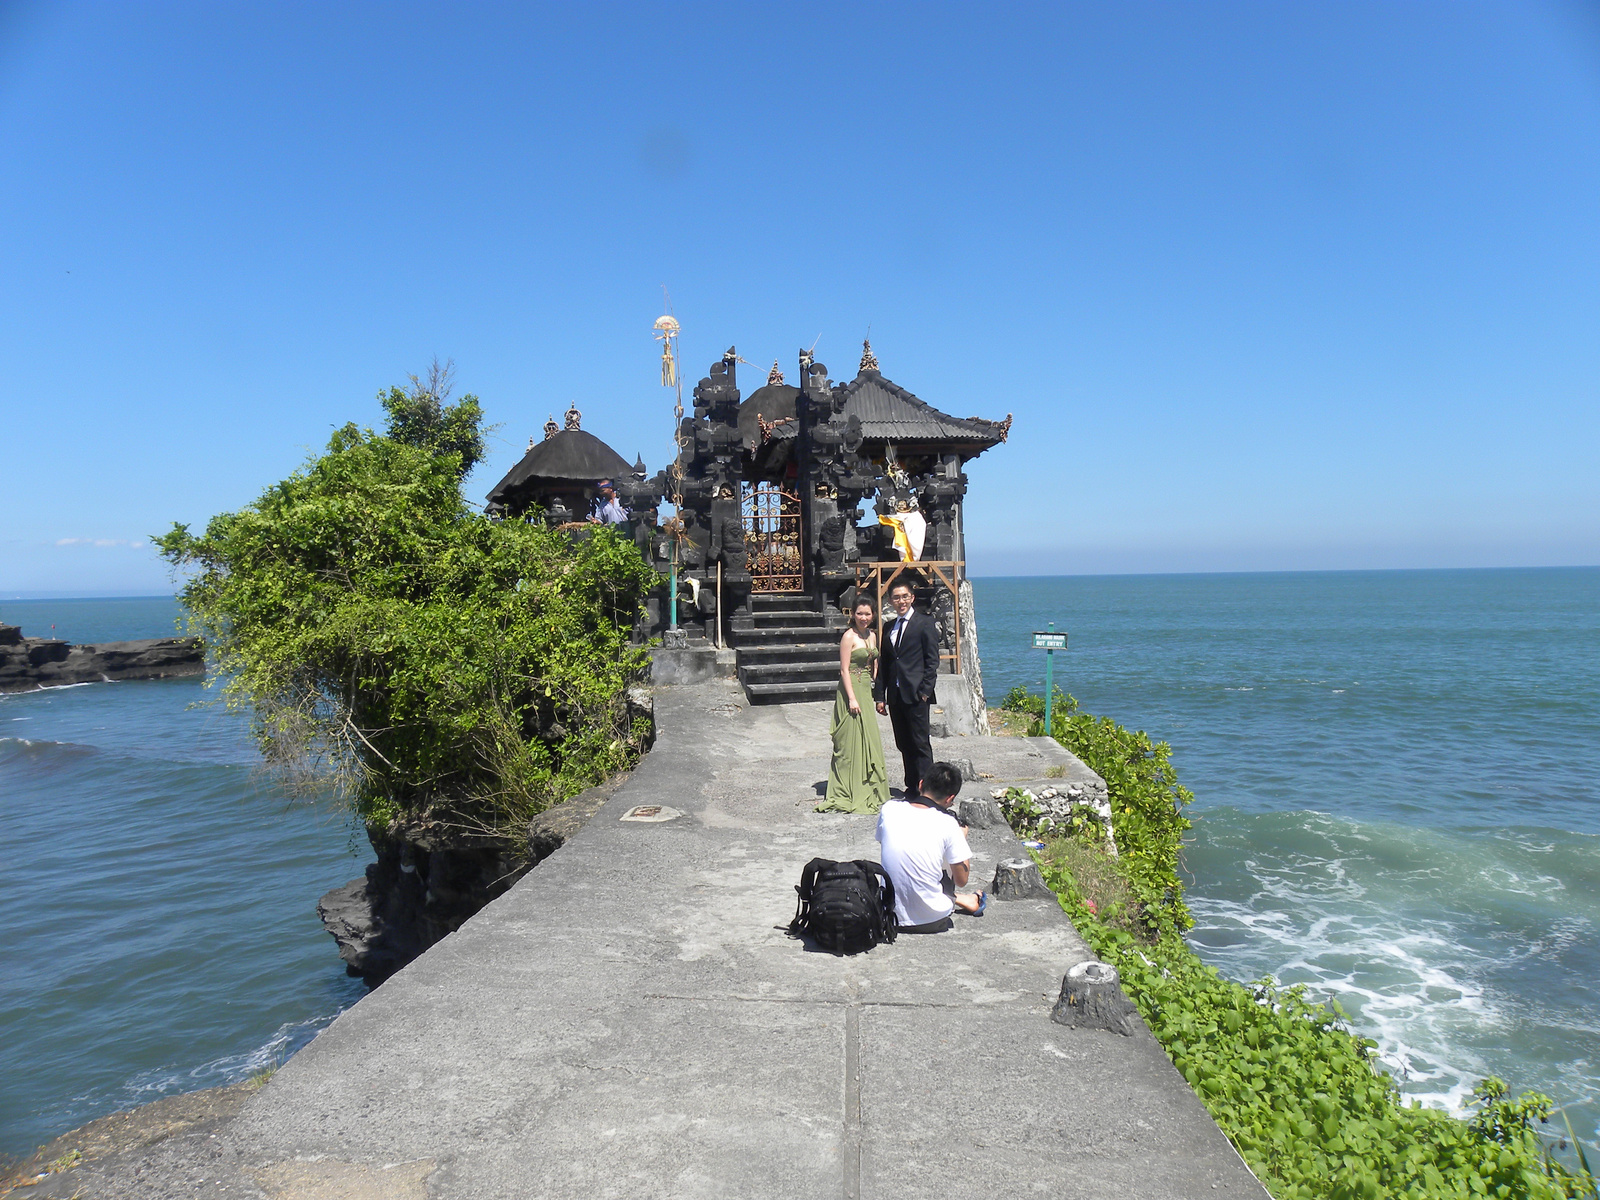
(568, 461)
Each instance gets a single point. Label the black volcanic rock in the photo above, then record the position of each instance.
(30, 663)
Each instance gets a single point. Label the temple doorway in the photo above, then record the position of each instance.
(771, 519)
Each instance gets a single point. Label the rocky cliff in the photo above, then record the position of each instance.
(430, 878)
(29, 663)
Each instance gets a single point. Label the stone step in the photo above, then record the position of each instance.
(788, 672)
(789, 652)
(788, 693)
(769, 601)
(766, 636)
(795, 616)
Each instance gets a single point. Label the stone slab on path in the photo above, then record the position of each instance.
(632, 1021)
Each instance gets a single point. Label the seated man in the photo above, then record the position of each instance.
(925, 853)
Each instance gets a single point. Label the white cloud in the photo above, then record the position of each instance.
(102, 543)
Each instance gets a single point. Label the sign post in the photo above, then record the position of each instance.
(1049, 643)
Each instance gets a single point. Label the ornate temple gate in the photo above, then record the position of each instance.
(772, 536)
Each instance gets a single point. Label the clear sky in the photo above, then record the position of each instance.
(1273, 286)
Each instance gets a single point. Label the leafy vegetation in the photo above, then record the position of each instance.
(1296, 1091)
(433, 662)
(1147, 801)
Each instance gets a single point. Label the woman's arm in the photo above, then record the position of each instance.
(844, 673)
(872, 663)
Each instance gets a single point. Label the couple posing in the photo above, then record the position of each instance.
(898, 680)
(924, 844)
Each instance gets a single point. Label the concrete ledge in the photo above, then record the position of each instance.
(678, 666)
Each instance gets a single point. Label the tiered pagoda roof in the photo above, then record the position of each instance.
(887, 412)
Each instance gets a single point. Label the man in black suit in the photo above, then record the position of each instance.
(907, 672)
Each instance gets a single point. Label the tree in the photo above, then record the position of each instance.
(432, 662)
(420, 417)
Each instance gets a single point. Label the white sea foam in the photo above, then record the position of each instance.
(274, 1052)
(1336, 923)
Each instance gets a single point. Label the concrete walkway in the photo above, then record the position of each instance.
(631, 1021)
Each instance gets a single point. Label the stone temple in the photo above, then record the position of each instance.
(773, 542)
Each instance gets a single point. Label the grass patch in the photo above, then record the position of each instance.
(1092, 875)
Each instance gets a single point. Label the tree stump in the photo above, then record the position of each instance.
(1019, 879)
(982, 814)
(1091, 998)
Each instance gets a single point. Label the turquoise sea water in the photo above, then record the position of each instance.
(1396, 802)
(1396, 797)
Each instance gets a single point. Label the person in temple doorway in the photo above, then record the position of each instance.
(907, 673)
(607, 510)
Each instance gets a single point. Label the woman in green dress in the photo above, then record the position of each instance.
(858, 781)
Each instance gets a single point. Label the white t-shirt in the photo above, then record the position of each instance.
(918, 843)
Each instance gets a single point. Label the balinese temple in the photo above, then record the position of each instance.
(560, 474)
(792, 502)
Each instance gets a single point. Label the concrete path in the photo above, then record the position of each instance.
(631, 1021)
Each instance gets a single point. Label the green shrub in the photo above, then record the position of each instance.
(1299, 1094)
(436, 663)
(1147, 801)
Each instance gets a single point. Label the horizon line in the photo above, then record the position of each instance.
(33, 597)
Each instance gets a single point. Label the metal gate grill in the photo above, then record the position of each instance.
(772, 536)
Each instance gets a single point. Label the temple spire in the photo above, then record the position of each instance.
(869, 360)
(774, 375)
(550, 429)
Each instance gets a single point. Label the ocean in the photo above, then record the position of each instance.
(1397, 792)
(1395, 803)
(158, 921)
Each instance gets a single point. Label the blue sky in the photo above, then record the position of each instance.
(1278, 286)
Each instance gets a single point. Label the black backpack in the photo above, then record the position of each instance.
(846, 907)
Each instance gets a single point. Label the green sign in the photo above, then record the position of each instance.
(1049, 643)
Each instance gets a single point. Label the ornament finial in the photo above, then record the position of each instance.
(869, 360)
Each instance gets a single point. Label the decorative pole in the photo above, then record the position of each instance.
(666, 332)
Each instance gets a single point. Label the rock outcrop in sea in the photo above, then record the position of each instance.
(30, 663)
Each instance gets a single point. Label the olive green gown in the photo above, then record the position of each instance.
(858, 781)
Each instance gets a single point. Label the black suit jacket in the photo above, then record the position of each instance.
(914, 665)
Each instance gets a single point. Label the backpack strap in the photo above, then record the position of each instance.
(803, 890)
(889, 924)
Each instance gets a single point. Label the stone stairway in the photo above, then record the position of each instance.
(790, 653)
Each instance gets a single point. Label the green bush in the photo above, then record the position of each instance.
(436, 663)
(1295, 1090)
(1147, 801)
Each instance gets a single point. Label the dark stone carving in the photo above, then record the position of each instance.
(1019, 879)
(1092, 998)
(831, 543)
(734, 551)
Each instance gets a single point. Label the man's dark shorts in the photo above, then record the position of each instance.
(939, 926)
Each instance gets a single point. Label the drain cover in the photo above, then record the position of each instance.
(651, 813)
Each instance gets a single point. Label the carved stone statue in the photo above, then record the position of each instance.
(735, 555)
(831, 543)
